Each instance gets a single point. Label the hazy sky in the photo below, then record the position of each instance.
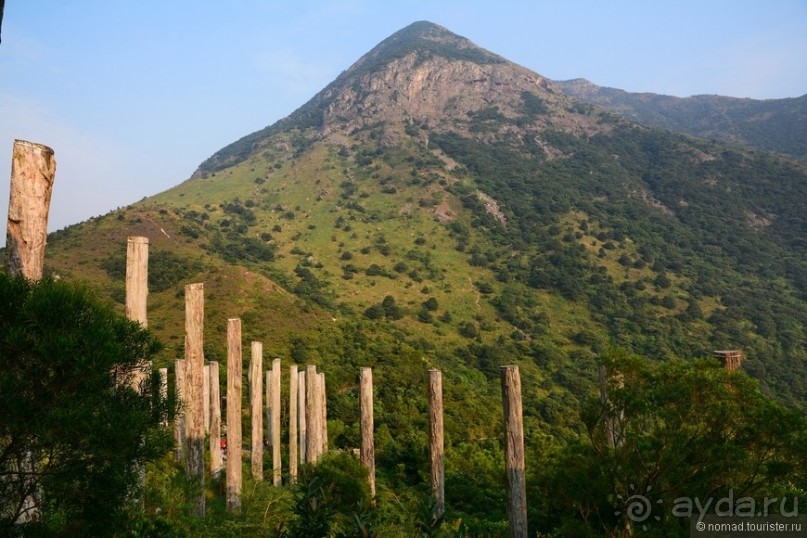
(133, 95)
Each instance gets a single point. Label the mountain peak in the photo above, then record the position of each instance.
(426, 38)
(421, 72)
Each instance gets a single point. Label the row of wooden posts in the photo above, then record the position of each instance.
(33, 172)
(197, 386)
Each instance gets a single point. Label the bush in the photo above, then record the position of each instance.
(66, 363)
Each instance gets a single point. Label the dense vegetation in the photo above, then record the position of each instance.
(534, 231)
(68, 415)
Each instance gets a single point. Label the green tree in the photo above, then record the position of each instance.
(682, 429)
(65, 363)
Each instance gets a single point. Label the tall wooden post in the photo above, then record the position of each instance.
(608, 423)
(137, 263)
(301, 405)
(313, 442)
(367, 454)
(33, 169)
(277, 463)
(268, 404)
(323, 412)
(514, 451)
(293, 423)
(195, 364)
(256, 409)
(179, 420)
(234, 372)
(206, 397)
(215, 420)
(137, 269)
(163, 391)
(436, 447)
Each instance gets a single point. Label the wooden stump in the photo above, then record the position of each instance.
(293, 374)
(234, 373)
(436, 447)
(33, 169)
(367, 453)
(215, 420)
(514, 451)
(256, 409)
(195, 365)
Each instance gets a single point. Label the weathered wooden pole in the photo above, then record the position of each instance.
(206, 397)
(256, 409)
(137, 272)
(301, 399)
(137, 268)
(268, 404)
(514, 451)
(323, 413)
(195, 365)
(367, 454)
(608, 422)
(436, 446)
(234, 372)
(179, 420)
(33, 169)
(215, 420)
(163, 391)
(277, 463)
(293, 423)
(313, 442)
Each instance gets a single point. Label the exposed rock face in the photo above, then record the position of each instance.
(427, 76)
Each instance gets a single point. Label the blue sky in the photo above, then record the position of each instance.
(132, 96)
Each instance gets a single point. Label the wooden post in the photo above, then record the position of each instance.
(206, 397)
(215, 420)
(514, 451)
(179, 420)
(301, 414)
(195, 364)
(268, 405)
(33, 169)
(293, 423)
(323, 411)
(367, 454)
(163, 391)
(137, 269)
(436, 447)
(277, 463)
(234, 372)
(312, 416)
(608, 421)
(256, 409)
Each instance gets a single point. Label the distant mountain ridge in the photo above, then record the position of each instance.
(776, 125)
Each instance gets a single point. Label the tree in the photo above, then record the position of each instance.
(683, 429)
(66, 361)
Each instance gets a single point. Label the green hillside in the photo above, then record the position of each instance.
(466, 218)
